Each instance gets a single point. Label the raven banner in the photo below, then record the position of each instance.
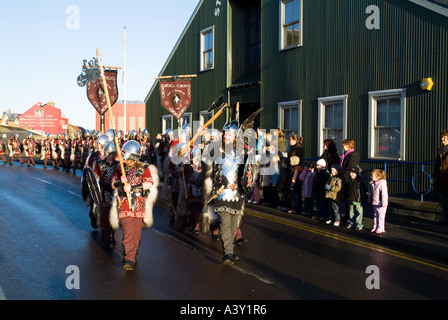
(176, 96)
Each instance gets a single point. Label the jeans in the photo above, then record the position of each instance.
(334, 211)
(355, 219)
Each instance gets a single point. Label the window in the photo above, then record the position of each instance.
(291, 24)
(207, 49)
(204, 117)
(290, 117)
(167, 123)
(387, 114)
(332, 124)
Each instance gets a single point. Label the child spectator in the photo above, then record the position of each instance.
(335, 195)
(321, 177)
(295, 187)
(379, 198)
(307, 178)
(355, 194)
(283, 185)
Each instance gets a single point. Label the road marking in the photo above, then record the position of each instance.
(55, 185)
(345, 239)
(2, 295)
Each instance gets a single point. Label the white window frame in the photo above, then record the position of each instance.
(290, 105)
(282, 45)
(203, 114)
(165, 119)
(202, 48)
(322, 102)
(186, 115)
(373, 97)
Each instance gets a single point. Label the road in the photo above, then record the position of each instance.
(49, 251)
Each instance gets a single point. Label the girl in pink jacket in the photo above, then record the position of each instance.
(378, 197)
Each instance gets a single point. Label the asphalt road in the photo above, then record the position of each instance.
(48, 251)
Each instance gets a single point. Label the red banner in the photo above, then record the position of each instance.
(176, 96)
(96, 95)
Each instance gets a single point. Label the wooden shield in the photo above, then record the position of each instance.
(94, 186)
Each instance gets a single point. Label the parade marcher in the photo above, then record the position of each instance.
(440, 176)
(66, 151)
(14, 149)
(2, 151)
(55, 152)
(76, 151)
(105, 169)
(95, 156)
(194, 178)
(29, 147)
(46, 150)
(229, 204)
(140, 182)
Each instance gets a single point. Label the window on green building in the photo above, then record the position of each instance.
(291, 23)
(387, 118)
(207, 49)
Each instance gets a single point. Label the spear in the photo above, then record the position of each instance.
(112, 120)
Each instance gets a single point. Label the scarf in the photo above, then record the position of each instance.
(345, 154)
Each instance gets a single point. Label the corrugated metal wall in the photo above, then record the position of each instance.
(341, 56)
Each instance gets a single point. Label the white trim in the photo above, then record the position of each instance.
(282, 19)
(286, 104)
(320, 118)
(432, 6)
(202, 45)
(203, 114)
(373, 96)
(164, 118)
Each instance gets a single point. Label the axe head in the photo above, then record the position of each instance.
(217, 103)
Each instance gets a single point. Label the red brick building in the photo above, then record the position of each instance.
(48, 117)
(135, 116)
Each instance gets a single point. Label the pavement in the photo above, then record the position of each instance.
(407, 233)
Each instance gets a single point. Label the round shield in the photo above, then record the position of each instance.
(94, 186)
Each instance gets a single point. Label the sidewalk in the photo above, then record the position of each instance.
(406, 233)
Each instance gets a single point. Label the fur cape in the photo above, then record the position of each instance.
(148, 221)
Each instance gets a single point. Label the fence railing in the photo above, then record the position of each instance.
(405, 178)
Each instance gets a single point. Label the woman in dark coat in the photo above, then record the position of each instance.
(330, 154)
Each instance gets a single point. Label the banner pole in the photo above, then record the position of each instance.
(112, 119)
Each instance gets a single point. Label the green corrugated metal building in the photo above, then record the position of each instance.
(323, 69)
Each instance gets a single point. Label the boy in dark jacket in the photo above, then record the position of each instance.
(355, 194)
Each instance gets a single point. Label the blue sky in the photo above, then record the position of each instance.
(41, 57)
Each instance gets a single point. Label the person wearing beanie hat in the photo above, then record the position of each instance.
(321, 162)
(335, 195)
(355, 193)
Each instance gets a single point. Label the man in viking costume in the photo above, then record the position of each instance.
(76, 151)
(14, 149)
(139, 185)
(46, 150)
(104, 170)
(29, 146)
(2, 151)
(229, 202)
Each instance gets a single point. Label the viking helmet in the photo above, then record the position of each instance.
(110, 134)
(145, 133)
(132, 150)
(231, 127)
(110, 148)
(102, 141)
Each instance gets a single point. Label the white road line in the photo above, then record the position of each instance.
(68, 191)
(2, 295)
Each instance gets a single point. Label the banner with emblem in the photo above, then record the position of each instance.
(176, 96)
(95, 91)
